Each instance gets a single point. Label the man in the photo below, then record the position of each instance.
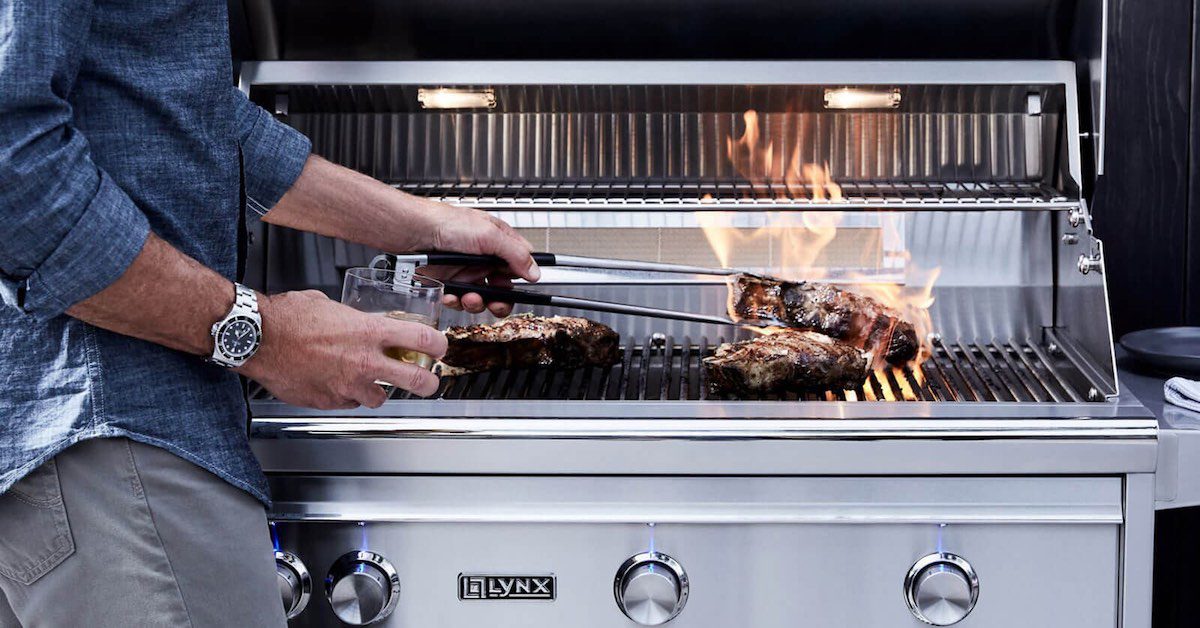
(130, 495)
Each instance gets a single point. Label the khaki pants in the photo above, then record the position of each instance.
(116, 533)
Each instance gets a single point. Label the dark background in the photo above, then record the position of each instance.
(1146, 206)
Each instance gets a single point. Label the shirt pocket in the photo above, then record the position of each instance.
(35, 536)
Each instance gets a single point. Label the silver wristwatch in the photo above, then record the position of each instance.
(237, 336)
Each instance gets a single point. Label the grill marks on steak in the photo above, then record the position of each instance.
(526, 340)
(789, 360)
(841, 314)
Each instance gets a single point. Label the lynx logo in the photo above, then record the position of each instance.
(484, 587)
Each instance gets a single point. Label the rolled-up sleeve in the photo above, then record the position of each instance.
(67, 230)
(273, 153)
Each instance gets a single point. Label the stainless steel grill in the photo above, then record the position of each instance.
(661, 369)
(1013, 425)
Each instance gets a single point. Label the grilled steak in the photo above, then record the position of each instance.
(527, 340)
(852, 318)
(788, 360)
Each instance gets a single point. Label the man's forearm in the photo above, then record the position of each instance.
(335, 201)
(165, 297)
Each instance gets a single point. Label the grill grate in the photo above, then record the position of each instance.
(662, 369)
(651, 195)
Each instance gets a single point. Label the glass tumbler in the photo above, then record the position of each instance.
(376, 291)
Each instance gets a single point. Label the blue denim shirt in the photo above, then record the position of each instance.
(118, 118)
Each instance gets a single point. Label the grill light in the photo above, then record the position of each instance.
(854, 98)
(456, 98)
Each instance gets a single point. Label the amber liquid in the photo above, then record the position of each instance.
(408, 355)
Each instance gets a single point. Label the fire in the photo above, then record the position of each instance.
(796, 240)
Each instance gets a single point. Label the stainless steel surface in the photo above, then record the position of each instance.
(767, 575)
(1082, 318)
(971, 156)
(362, 588)
(711, 500)
(295, 583)
(651, 588)
(941, 589)
(1178, 435)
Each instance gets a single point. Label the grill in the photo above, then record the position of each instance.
(1010, 440)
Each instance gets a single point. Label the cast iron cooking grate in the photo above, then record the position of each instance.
(663, 369)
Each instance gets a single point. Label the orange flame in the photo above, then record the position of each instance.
(797, 239)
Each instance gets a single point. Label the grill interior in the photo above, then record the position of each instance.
(662, 369)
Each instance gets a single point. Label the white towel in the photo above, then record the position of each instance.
(1184, 393)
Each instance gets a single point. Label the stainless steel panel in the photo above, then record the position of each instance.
(832, 573)
(632, 447)
(1082, 319)
(707, 500)
(968, 89)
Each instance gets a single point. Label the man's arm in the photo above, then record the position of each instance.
(72, 241)
(66, 228)
(335, 201)
(339, 202)
(315, 352)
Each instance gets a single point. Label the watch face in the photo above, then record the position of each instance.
(238, 338)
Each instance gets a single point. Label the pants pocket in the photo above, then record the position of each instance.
(35, 536)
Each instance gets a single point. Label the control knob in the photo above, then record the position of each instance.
(941, 589)
(651, 588)
(295, 583)
(362, 587)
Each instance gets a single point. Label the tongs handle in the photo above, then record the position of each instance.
(439, 258)
(508, 295)
(492, 293)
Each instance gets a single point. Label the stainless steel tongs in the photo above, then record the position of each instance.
(526, 297)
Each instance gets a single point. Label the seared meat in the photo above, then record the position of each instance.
(853, 318)
(527, 340)
(788, 360)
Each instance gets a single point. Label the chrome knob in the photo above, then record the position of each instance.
(295, 583)
(941, 589)
(651, 588)
(362, 588)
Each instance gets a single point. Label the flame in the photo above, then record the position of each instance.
(796, 240)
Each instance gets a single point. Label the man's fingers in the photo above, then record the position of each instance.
(371, 395)
(472, 302)
(451, 301)
(500, 309)
(410, 377)
(514, 250)
(415, 336)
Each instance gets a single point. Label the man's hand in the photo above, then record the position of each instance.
(335, 201)
(465, 230)
(321, 354)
